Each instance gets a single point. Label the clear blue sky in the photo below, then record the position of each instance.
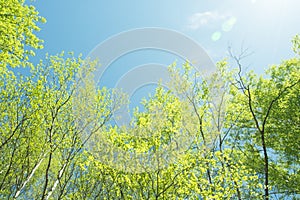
(264, 26)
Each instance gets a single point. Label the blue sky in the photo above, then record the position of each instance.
(266, 27)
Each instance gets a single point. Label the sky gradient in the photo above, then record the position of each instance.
(265, 27)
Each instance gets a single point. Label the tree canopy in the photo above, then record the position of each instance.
(232, 136)
(18, 21)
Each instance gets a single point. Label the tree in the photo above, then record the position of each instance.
(224, 137)
(17, 27)
(40, 138)
(268, 124)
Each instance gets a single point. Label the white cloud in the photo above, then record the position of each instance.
(198, 20)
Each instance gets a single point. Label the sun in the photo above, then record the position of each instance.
(273, 11)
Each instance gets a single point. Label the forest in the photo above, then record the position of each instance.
(234, 135)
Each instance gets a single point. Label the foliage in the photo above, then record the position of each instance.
(18, 22)
(227, 136)
(267, 125)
